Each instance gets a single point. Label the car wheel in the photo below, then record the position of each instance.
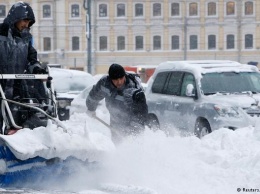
(202, 128)
(153, 123)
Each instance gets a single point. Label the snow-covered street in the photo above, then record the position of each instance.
(224, 161)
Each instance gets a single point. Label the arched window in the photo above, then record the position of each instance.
(46, 11)
(157, 9)
(230, 41)
(211, 42)
(193, 9)
(212, 9)
(157, 43)
(102, 10)
(120, 43)
(175, 9)
(46, 44)
(175, 42)
(248, 41)
(2, 11)
(230, 8)
(75, 43)
(193, 42)
(103, 43)
(74, 10)
(139, 43)
(120, 10)
(139, 10)
(249, 8)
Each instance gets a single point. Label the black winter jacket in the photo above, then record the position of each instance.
(125, 111)
(16, 50)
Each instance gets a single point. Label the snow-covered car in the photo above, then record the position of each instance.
(68, 84)
(202, 96)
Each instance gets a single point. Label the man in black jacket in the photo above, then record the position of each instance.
(17, 53)
(124, 97)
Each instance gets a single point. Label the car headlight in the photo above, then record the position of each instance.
(63, 103)
(226, 111)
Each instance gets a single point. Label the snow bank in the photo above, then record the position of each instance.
(48, 142)
(221, 162)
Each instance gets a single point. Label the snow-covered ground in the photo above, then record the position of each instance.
(225, 161)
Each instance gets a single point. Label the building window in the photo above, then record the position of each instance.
(249, 8)
(157, 9)
(139, 10)
(157, 43)
(46, 11)
(230, 8)
(193, 9)
(46, 44)
(2, 11)
(139, 43)
(75, 43)
(193, 42)
(175, 9)
(211, 42)
(121, 10)
(230, 41)
(74, 10)
(248, 41)
(102, 10)
(103, 43)
(212, 9)
(120, 43)
(175, 42)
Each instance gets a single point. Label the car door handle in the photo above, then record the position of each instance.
(158, 103)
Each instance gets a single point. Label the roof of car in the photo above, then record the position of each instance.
(59, 72)
(204, 66)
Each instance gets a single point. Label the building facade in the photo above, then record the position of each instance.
(144, 32)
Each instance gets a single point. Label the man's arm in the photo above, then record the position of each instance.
(95, 95)
(34, 65)
(32, 54)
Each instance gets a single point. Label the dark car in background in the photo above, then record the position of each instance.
(67, 85)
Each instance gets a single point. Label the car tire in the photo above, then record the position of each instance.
(153, 123)
(202, 128)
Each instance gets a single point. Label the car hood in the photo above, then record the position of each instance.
(243, 100)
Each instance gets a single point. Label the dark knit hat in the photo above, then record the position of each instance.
(116, 71)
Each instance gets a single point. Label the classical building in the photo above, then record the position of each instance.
(143, 32)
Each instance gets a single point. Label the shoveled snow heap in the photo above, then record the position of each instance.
(80, 141)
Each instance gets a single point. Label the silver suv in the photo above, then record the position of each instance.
(201, 96)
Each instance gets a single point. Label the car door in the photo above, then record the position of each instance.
(180, 107)
(156, 99)
(172, 93)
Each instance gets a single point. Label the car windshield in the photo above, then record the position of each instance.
(230, 82)
(71, 84)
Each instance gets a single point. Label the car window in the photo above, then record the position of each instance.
(71, 84)
(230, 82)
(174, 83)
(159, 82)
(187, 79)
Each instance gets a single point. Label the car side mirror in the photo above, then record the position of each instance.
(190, 90)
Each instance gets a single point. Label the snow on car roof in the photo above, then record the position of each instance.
(200, 67)
(68, 72)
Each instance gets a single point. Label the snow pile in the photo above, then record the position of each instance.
(52, 141)
(222, 162)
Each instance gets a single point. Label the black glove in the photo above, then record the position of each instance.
(39, 70)
(139, 96)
